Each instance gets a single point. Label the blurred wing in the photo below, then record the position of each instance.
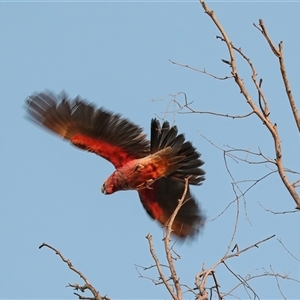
(96, 130)
(187, 159)
(161, 200)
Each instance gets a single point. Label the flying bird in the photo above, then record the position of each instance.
(156, 169)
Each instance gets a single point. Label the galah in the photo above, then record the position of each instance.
(156, 169)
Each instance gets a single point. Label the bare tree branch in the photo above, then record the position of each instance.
(190, 110)
(264, 32)
(228, 153)
(237, 253)
(216, 285)
(265, 274)
(277, 282)
(262, 111)
(263, 116)
(168, 251)
(297, 259)
(279, 212)
(242, 280)
(201, 277)
(87, 286)
(158, 266)
(279, 54)
(200, 71)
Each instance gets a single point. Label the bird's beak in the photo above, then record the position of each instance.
(103, 190)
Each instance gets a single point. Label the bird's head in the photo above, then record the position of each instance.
(115, 182)
(110, 185)
(107, 188)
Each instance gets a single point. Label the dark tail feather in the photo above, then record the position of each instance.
(161, 201)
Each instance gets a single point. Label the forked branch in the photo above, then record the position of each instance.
(263, 114)
(279, 53)
(77, 287)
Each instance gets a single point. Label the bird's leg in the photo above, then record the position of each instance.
(148, 183)
(139, 167)
(145, 185)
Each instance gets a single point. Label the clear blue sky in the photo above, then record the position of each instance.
(117, 56)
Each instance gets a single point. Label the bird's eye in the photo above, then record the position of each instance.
(103, 189)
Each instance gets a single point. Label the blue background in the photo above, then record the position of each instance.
(116, 55)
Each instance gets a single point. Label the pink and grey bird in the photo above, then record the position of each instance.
(156, 169)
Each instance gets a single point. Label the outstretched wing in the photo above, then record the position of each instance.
(188, 158)
(96, 130)
(161, 201)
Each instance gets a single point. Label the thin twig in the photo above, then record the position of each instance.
(217, 285)
(279, 53)
(167, 241)
(190, 110)
(263, 30)
(247, 248)
(242, 280)
(279, 212)
(87, 285)
(158, 266)
(287, 87)
(288, 250)
(200, 71)
(277, 282)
